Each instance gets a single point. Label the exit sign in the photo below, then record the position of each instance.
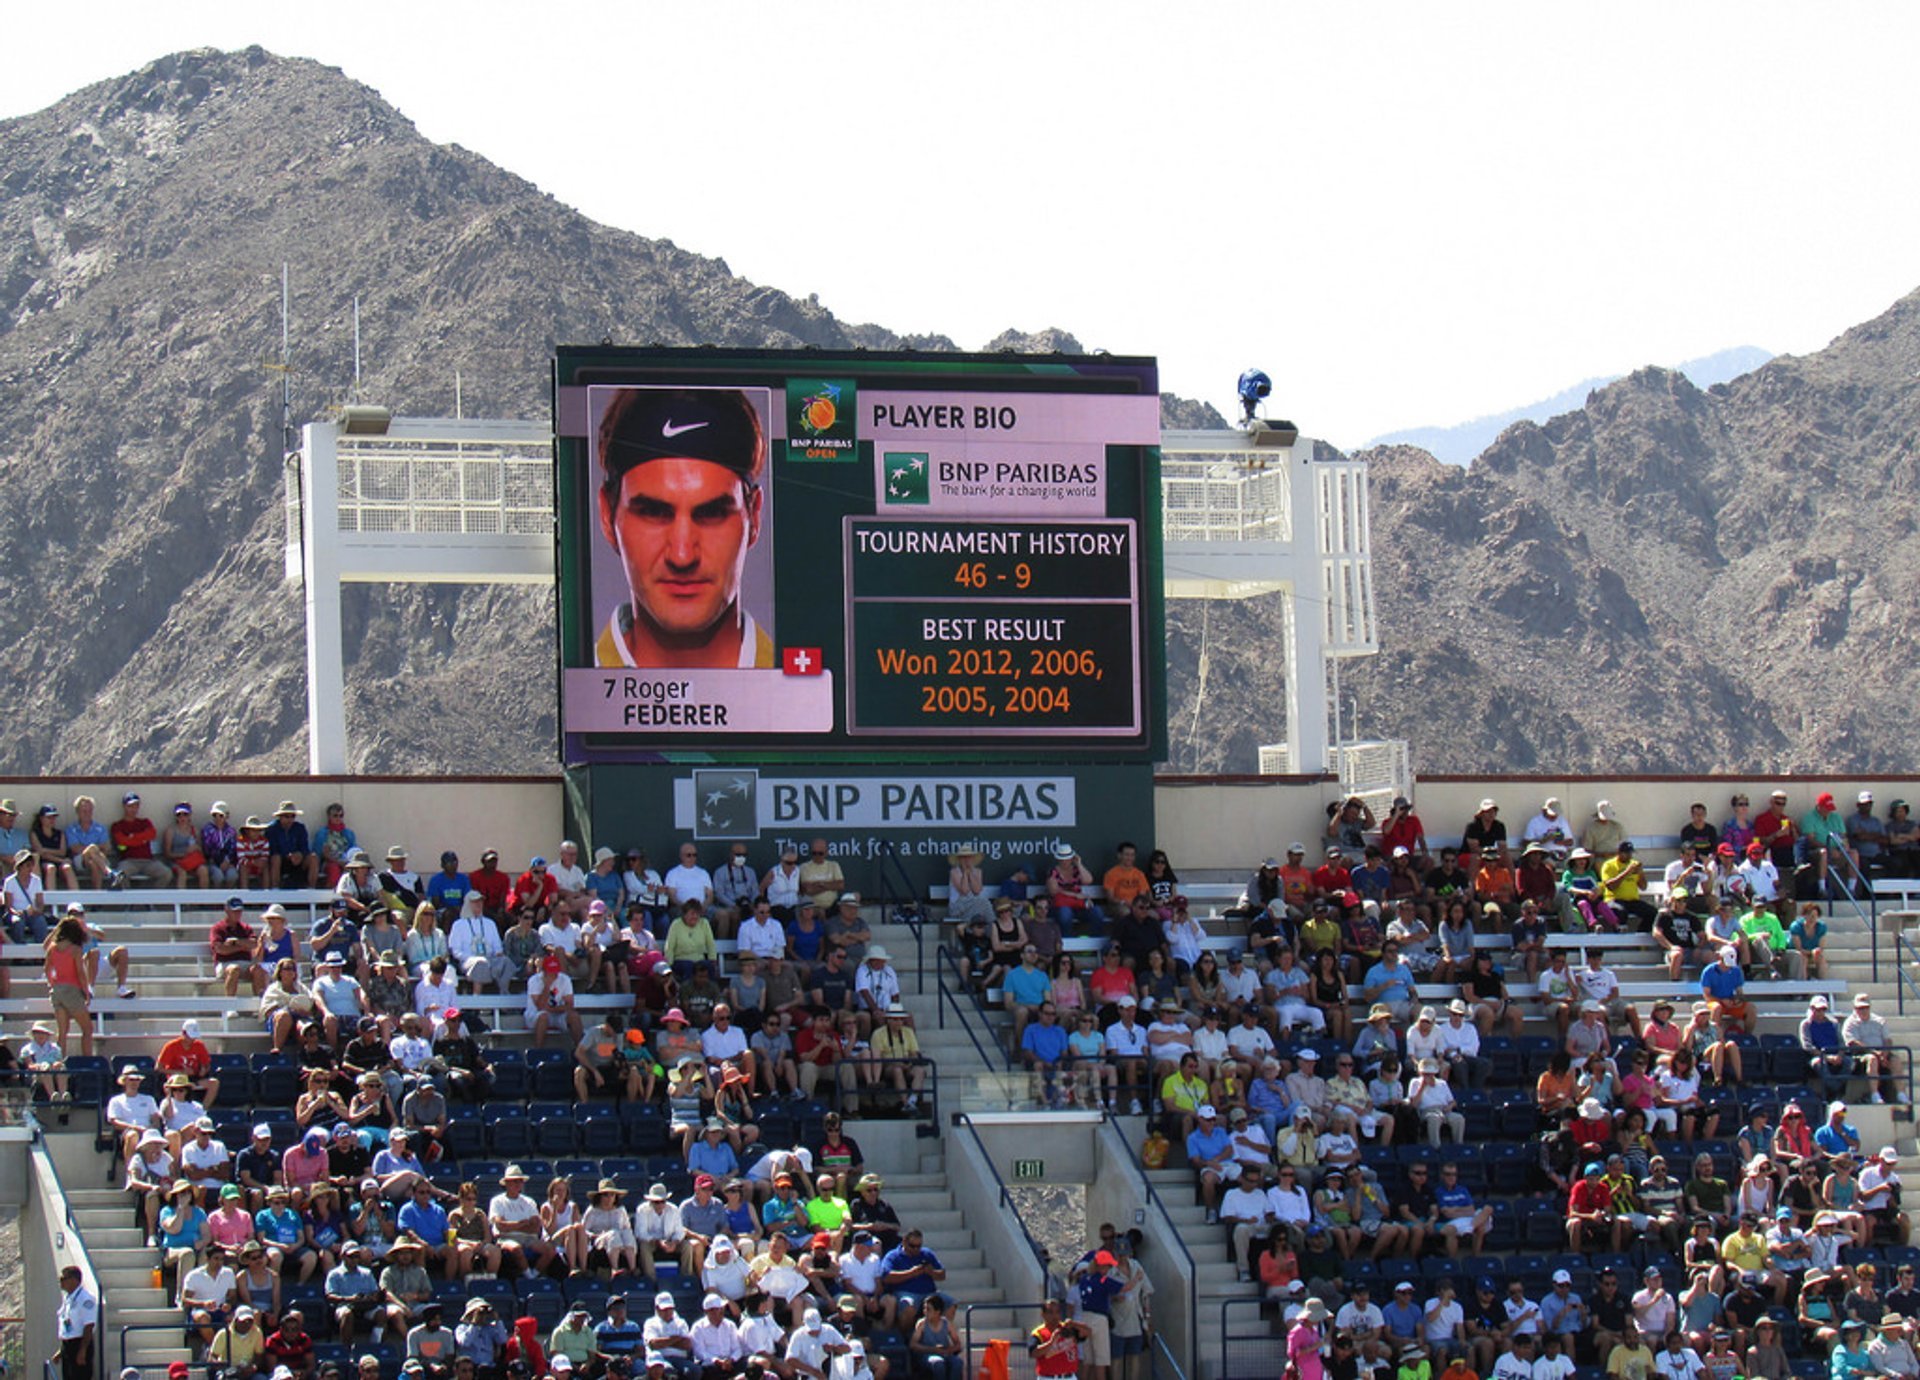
(1029, 1169)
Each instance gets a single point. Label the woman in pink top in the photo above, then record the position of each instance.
(1303, 1342)
(69, 987)
(231, 1224)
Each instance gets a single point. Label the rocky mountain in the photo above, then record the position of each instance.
(1665, 579)
(1459, 443)
(143, 224)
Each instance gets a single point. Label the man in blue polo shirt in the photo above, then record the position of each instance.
(1042, 1046)
(1026, 989)
(1720, 984)
(1836, 1137)
(1458, 1215)
(426, 1222)
(1210, 1152)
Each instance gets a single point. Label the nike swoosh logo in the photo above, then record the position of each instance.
(669, 430)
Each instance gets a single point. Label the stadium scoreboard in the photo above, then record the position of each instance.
(858, 555)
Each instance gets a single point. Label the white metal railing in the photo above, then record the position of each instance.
(1222, 498)
(1375, 769)
(392, 484)
(1346, 558)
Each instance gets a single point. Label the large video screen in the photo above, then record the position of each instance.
(887, 555)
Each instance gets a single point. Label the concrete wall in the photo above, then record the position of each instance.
(520, 816)
(47, 1246)
(1204, 823)
(1233, 822)
(1117, 1188)
(995, 1228)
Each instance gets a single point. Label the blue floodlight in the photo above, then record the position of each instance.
(1254, 385)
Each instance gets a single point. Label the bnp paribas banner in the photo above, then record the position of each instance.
(863, 813)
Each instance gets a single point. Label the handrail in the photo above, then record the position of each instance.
(1173, 1232)
(1163, 1352)
(1904, 954)
(89, 1275)
(1856, 884)
(906, 909)
(175, 1329)
(1041, 1256)
(948, 958)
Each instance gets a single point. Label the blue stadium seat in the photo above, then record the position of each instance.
(1515, 1116)
(235, 1075)
(1478, 1267)
(599, 1129)
(509, 1080)
(1438, 1267)
(143, 1062)
(612, 1168)
(550, 1081)
(1503, 1052)
(1535, 1051)
(1786, 1061)
(1508, 1165)
(643, 1128)
(577, 1169)
(89, 1080)
(276, 1080)
(509, 1134)
(466, 1136)
(554, 1131)
(1543, 1231)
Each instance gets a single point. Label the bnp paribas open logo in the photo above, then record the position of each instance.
(726, 804)
(905, 473)
(820, 419)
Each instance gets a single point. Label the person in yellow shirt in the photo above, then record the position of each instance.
(1745, 1252)
(1621, 877)
(1183, 1093)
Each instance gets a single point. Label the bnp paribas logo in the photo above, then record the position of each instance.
(905, 476)
(820, 419)
(726, 804)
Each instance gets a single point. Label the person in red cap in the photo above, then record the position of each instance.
(550, 999)
(1823, 834)
(681, 503)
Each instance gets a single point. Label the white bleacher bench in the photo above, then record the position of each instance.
(211, 901)
(1642, 843)
(153, 948)
(1905, 890)
(1209, 892)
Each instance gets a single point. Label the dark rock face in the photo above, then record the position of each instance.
(1665, 580)
(143, 223)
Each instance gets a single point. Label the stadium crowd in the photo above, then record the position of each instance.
(1518, 1200)
(346, 1190)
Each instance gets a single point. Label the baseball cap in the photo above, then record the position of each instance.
(716, 425)
(1562, 1277)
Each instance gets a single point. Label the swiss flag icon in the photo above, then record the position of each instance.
(800, 661)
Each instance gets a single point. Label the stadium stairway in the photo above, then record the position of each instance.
(104, 1220)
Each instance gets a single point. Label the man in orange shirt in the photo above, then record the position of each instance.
(1495, 881)
(1295, 880)
(185, 1053)
(1123, 881)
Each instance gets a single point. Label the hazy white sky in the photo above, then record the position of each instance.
(1406, 213)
